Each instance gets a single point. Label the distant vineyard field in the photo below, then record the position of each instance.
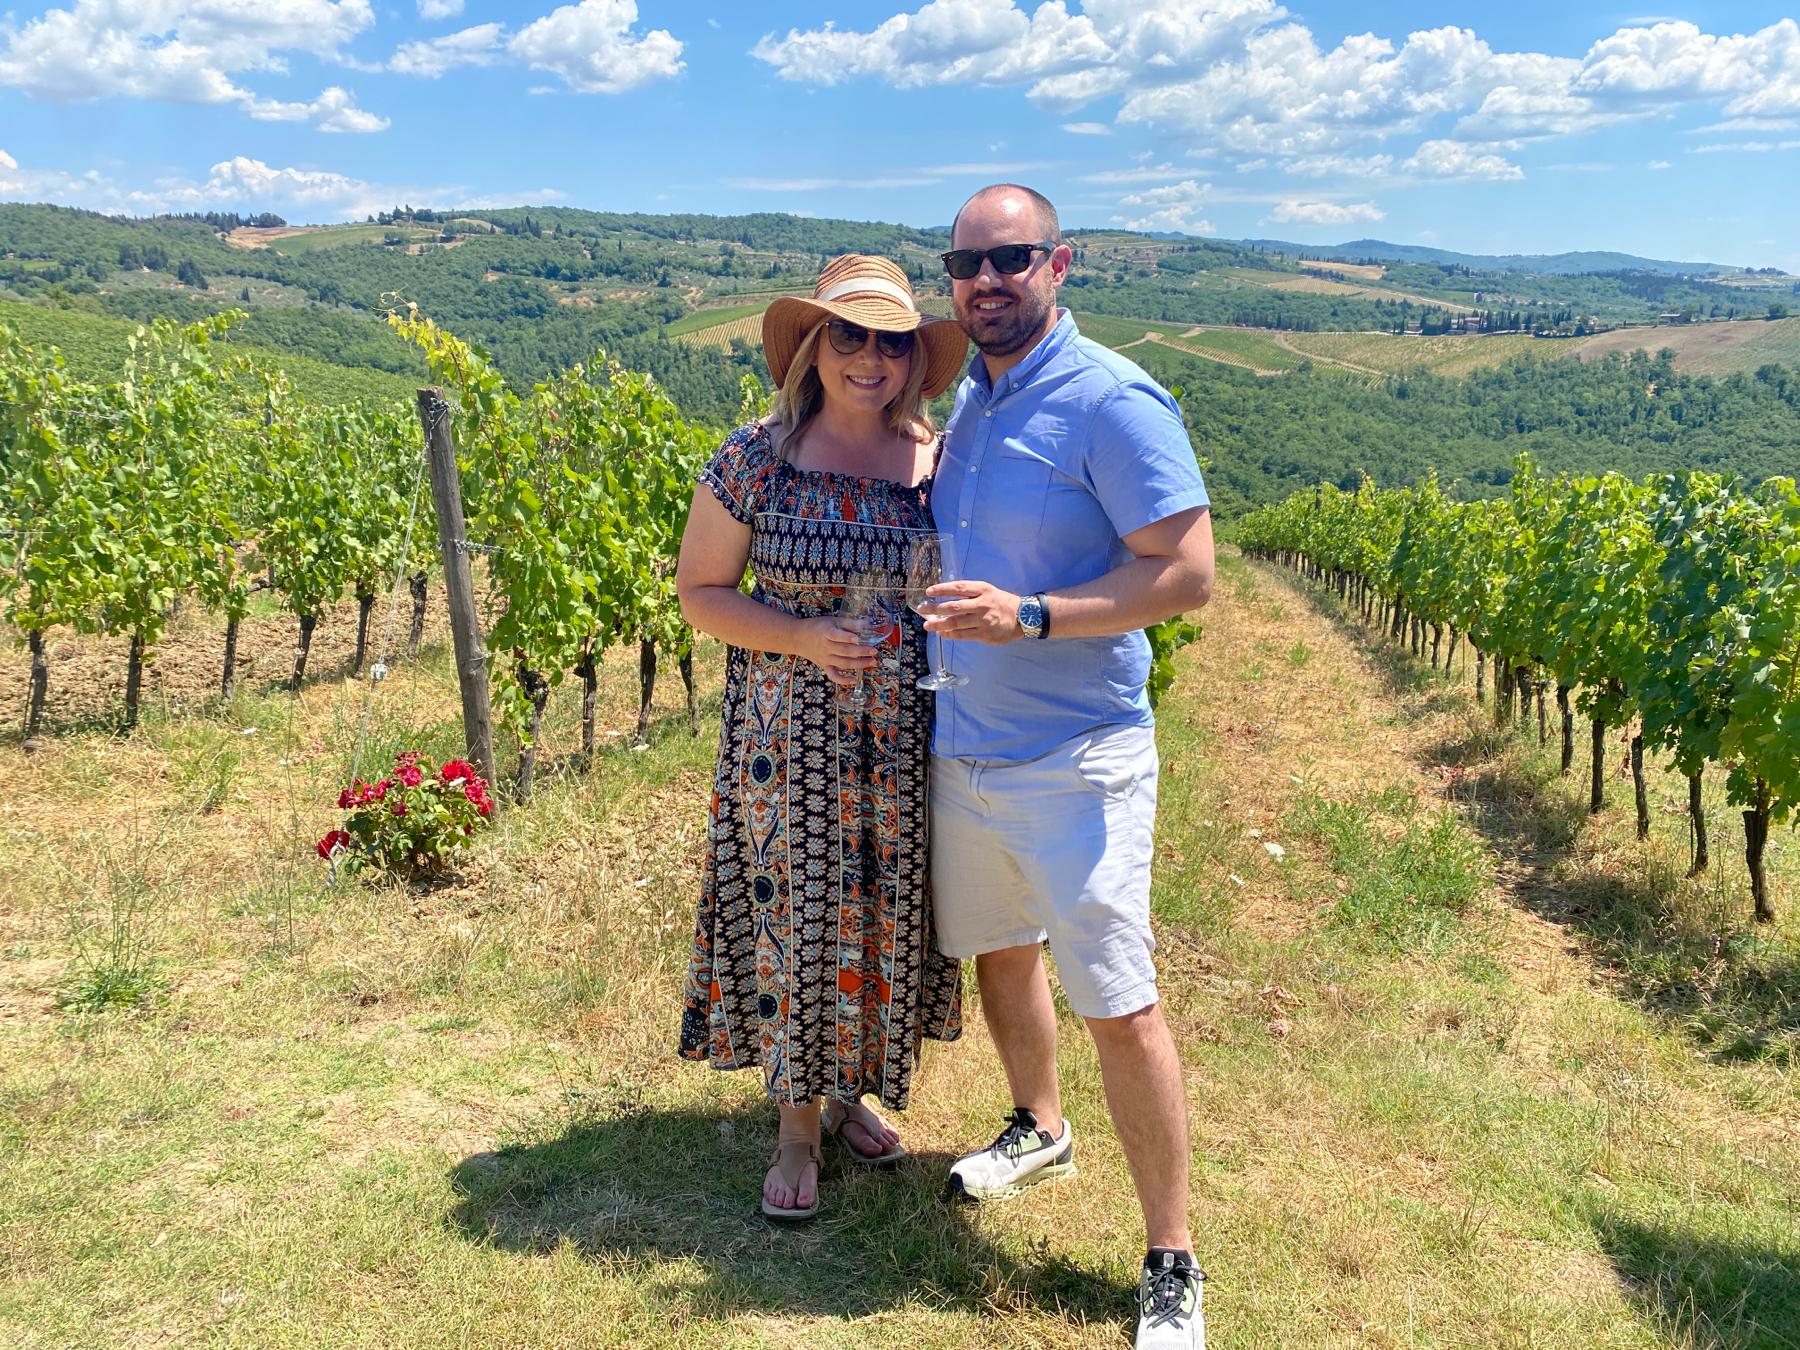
(1250, 349)
(703, 319)
(719, 336)
(1448, 354)
(1708, 348)
(1361, 271)
(1115, 332)
(1306, 284)
(297, 239)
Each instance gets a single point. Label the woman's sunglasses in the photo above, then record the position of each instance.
(847, 339)
(1009, 259)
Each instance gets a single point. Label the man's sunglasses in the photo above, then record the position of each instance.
(1009, 259)
(847, 339)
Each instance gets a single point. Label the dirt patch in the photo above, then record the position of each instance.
(1361, 271)
(1704, 348)
(87, 674)
(261, 236)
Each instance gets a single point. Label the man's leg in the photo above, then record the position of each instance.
(1015, 999)
(1142, 1074)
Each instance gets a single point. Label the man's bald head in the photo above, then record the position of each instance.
(1036, 216)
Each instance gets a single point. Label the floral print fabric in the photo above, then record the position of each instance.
(815, 955)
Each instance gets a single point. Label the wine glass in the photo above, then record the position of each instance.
(931, 558)
(867, 610)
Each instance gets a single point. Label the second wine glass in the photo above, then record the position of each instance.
(868, 612)
(930, 559)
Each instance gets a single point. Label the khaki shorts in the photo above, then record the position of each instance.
(1058, 849)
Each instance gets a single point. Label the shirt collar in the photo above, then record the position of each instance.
(1059, 336)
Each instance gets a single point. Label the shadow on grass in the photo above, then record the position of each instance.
(1732, 988)
(1704, 1292)
(627, 1183)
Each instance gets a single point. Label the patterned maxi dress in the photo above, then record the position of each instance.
(815, 955)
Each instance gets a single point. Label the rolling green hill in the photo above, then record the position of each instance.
(94, 347)
(1292, 368)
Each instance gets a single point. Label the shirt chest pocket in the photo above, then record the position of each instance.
(1015, 485)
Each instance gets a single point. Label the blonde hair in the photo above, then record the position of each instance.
(799, 399)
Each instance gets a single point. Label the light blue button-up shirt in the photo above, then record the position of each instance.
(1041, 476)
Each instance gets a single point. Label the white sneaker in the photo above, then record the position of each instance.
(1021, 1157)
(1169, 1315)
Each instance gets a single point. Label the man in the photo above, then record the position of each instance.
(1079, 517)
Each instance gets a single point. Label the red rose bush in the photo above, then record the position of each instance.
(411, 824)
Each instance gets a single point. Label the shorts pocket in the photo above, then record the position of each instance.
(1114, 764)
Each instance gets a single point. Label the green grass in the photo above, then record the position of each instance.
(358, 1114)
(340, 236)
(1111, 331)
(1252, 349)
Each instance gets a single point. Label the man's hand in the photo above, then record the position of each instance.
(974, 611)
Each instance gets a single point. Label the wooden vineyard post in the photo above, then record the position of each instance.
(459, 582)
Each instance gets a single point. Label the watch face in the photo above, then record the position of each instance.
(1031, 614)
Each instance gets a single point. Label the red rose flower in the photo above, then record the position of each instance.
(398, 807)
(410, 775)
(458, 768)
(332, 842)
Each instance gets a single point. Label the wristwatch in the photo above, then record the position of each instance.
(1034, 616)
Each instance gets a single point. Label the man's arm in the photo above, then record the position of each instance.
(1170, 573)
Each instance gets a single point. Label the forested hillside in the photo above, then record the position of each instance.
(1266, 437)
(542, 288)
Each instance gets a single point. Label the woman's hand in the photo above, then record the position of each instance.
(830, 645)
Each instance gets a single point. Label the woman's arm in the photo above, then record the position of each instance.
(714, 550)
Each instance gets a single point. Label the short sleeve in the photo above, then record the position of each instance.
(1140, 463)
(739, 473)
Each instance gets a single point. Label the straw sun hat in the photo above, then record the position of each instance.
(874, 293)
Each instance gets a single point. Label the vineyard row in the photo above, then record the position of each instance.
(1670, 605)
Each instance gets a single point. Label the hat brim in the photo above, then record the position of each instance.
(787, 321)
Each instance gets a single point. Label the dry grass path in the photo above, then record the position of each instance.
(1424, 1114)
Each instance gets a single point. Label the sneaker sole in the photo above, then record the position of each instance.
(1054, 1172)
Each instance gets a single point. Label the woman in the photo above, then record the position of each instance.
(814, 955)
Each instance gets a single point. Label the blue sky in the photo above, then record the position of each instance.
(1529, 127)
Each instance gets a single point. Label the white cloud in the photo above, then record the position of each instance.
(1339, 166)
(1087, 128)
(183, 52)
(432, 10)
(1066, 59)
(1748, 124)
(1324, 213)
(245, 183)
(333, 110)
(591, 45)
(7, 161)
(1456, 160)
(476, 46)
(1175, 206)
(1239, 79)
(1150, 173)
(1659, 164)
(1744, 147)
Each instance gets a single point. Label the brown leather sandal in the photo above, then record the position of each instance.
(791, 1159)
(837, 1118)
